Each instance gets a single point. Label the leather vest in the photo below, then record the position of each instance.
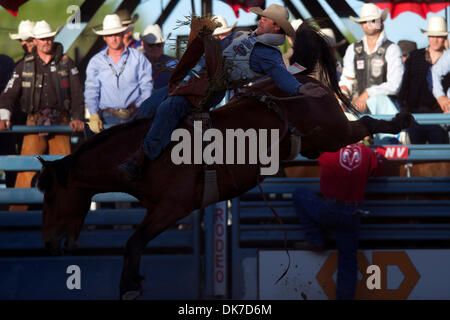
(32, 82)
(237, 56)
(370, 69)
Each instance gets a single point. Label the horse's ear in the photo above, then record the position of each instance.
(42, 161)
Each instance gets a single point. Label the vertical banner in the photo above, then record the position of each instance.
(220, 249)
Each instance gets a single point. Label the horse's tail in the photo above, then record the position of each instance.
(312, 52)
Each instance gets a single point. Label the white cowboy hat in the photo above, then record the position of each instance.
(330, 38)
(370, 12)
(224, 28)
(152, 35)
(43, 30)
(25, 31)
(111, 25)
(437, 27)
(296, 23)
(278, 14)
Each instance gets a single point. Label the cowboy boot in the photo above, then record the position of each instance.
(131, 169)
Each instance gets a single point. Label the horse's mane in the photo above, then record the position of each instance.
(62, 167)
(312, 51)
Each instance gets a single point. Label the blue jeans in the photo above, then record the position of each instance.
(167, 116)
(167, 112)
(150, 105)
(433, 134)
(318, 218)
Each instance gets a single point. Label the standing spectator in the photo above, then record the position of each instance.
(161, 64)
(224, 30)
(343, 178)
(128, 21)
(440, 77)
(373, 68)
(290, 42)
(330, 38)
(25, 36)
(7, 140)
(118, 78)
(415, 95)
(50, 92)
(407, 47)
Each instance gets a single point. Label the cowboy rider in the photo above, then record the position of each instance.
(252, 55)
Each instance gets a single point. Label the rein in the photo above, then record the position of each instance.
(269, 101)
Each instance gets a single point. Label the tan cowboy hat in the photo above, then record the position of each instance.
(111, 25)
(25, 31)
(152, 35)
(278, 14)
(43, 30)
(224, 28)
(330, 38)
(437, 27)
(126, 18)
(370, 12)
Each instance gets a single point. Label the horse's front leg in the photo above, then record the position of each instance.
(367, 126)
(156, 221)
(401, 121)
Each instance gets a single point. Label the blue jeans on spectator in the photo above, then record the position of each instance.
(318, 218)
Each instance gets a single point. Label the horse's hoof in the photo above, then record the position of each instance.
(131, 295)
(406, 119)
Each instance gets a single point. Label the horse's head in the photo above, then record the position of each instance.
(64, 207)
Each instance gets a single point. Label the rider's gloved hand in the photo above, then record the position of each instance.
(95, 123)
(312, 89)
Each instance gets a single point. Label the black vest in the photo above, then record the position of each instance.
(370, 69)
(32, 82)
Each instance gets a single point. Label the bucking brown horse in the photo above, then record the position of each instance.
(170, 192)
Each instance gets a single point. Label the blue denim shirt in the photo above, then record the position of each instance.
(105, 88)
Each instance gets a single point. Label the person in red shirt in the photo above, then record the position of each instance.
(343, 178)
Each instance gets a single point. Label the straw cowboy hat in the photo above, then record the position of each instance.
(224, 28)
(25, 31)
(296, 23)
(152, 35)
(437, 27)
(43, 30)
(126, 18)
(279, 15)
(330, 38)
(111, 25)
(370, 12)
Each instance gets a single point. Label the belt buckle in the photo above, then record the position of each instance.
(122, 114)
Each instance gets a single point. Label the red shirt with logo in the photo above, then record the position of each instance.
(344, 174)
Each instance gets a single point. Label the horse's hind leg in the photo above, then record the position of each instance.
(156, 221)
